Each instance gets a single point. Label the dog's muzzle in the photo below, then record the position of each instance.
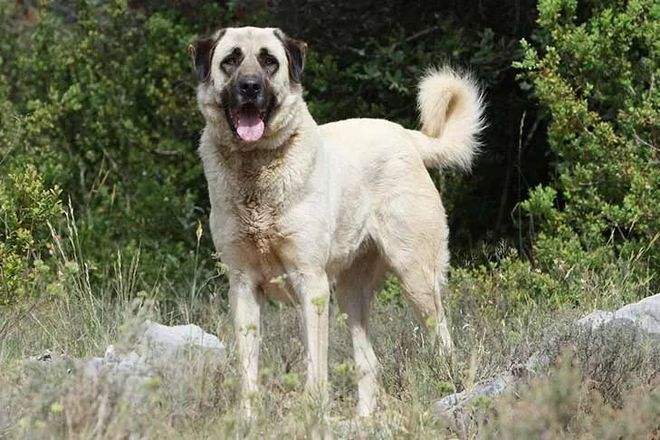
(249, 107)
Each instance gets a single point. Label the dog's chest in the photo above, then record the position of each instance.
(258, 194)
(258, 224)
(262, 239)
(259, 191)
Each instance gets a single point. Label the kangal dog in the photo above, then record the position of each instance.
(298, 209)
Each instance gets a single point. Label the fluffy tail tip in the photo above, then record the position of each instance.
(451, 109)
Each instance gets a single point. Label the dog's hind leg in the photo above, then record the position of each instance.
(355, 290)
(413, 236)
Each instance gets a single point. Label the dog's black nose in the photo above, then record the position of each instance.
(249, 87)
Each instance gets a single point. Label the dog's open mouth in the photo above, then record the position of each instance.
(249, 122)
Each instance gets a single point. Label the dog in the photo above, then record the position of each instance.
(298, 209)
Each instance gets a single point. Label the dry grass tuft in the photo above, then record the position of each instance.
(597, 384)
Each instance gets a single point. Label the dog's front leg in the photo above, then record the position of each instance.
(245, 305)
(313, 293)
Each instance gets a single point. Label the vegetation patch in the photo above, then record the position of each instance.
(103, 213)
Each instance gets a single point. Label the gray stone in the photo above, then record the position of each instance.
(159, 346)
(488, 388)
(92, 368)
(159, 351)
(163, 341)
(645, 315)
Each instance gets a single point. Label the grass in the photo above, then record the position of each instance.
(597, 386)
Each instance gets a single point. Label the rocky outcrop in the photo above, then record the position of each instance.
(643, 316)
(159, 349)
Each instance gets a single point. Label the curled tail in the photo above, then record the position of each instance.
(451, 112)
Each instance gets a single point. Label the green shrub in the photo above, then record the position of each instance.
(28, 208)
(108, 106)
(595, 76)
(107, 94)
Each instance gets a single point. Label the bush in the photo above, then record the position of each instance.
(594, 74)
(109, 117)
(564, 404)
(28, 207)
(107, 93)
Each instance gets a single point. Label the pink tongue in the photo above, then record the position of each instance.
(250, 126)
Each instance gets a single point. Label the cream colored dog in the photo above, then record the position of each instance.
(298, 209)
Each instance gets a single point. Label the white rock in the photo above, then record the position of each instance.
(160, 353)
(644, 314)
(489, 388)
(161, 340)
(159, 347)
(111, 354)
(92, 368)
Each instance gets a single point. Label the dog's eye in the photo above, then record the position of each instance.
(268, 62)
(231, 61)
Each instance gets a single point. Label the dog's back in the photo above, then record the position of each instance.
(451, 116)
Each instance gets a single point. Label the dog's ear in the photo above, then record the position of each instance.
(295, 54)
(201, 52)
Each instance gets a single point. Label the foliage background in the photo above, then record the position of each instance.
(103, 214)
(99, 127)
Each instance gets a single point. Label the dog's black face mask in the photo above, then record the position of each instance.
(247, 96)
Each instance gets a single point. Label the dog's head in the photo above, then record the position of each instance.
(246, 77)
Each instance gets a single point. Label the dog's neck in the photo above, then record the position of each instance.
(271, 171)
